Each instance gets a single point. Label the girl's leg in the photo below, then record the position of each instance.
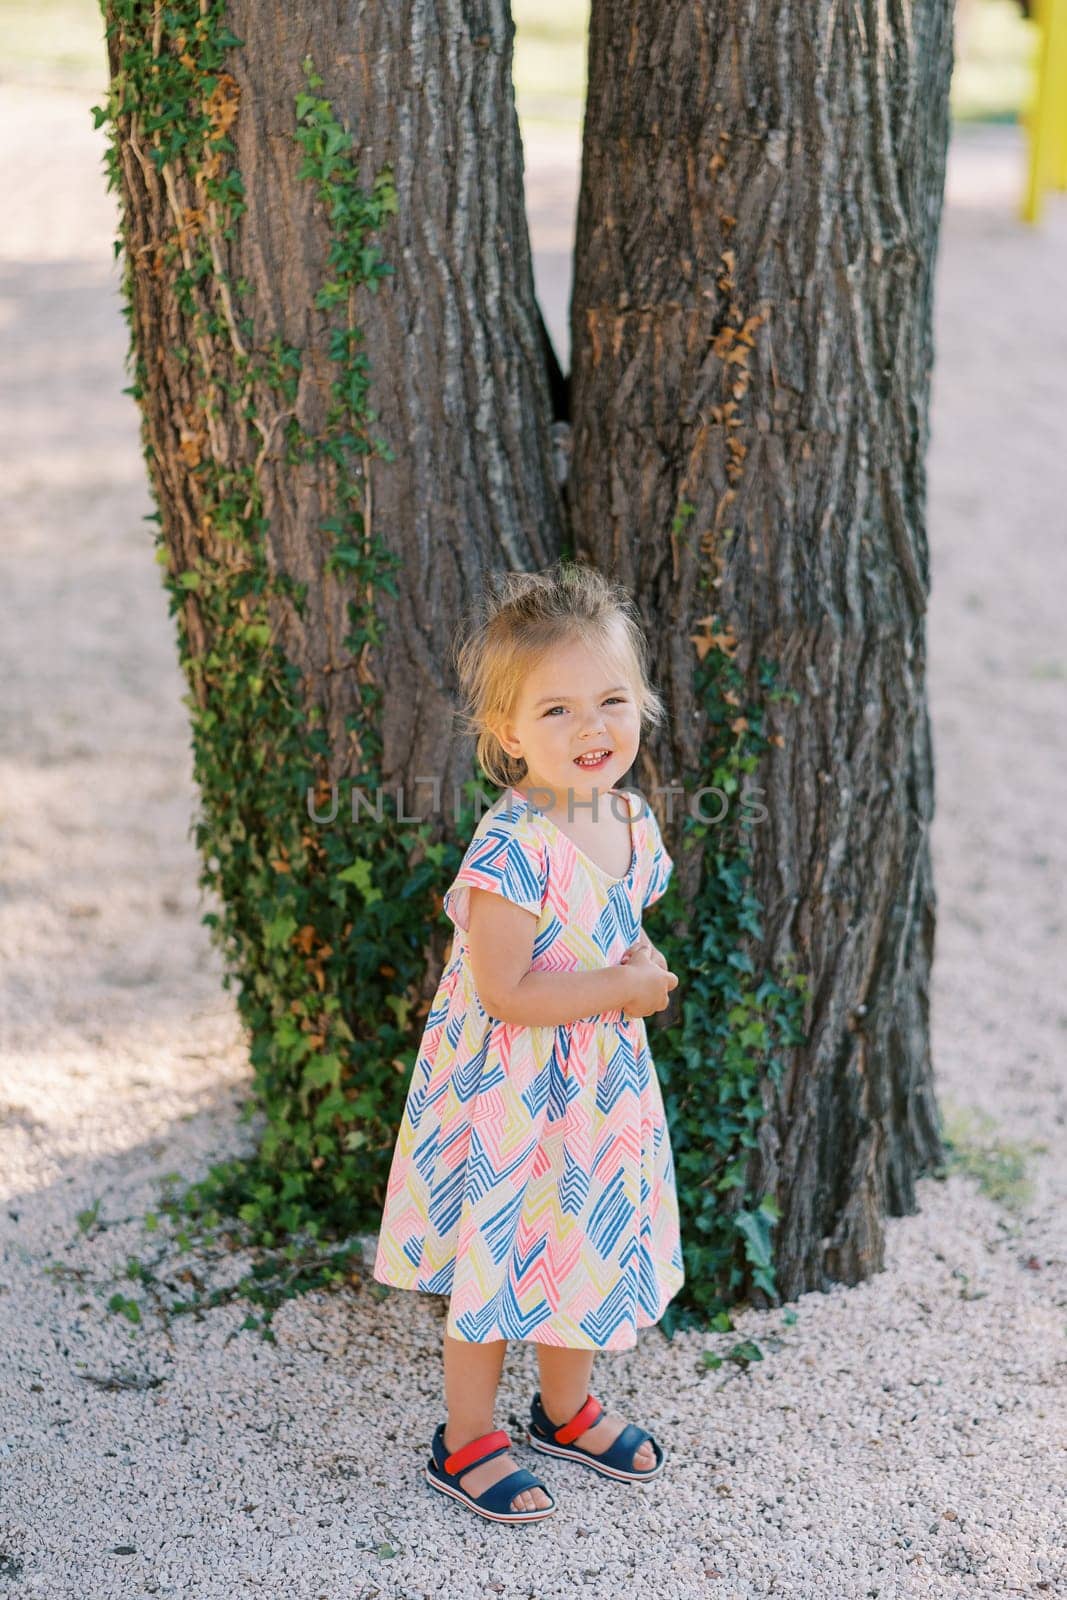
(565, 1378)
(472, 1377)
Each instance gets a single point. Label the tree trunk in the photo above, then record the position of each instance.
(458, 377)
(751, 335)
(306, 434)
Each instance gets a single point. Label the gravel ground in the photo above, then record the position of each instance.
(903, 1438)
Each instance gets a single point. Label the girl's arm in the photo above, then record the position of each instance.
(501, 937)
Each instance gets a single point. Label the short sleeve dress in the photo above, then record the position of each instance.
(532, 1179)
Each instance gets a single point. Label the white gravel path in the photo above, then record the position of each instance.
(903, 1438)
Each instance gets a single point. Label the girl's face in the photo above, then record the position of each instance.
(574, 703)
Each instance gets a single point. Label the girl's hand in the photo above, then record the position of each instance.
(650, 984)
(643, 942)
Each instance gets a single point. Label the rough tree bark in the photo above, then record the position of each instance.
(751, 333)
(459, 380)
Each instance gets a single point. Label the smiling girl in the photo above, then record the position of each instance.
(532, 1179)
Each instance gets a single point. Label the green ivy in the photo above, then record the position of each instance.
(325, 927)
(734, 1021)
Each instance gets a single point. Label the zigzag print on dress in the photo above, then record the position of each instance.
(532, 1178)
(615, 1312)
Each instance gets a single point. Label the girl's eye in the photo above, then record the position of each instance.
(612, 699)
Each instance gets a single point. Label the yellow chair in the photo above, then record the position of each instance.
(1047, 119)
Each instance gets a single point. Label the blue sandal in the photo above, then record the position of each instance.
(444, 1471)
(614, 1462)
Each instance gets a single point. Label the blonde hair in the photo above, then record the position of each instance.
(518, 619)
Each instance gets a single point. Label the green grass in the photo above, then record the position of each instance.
(993, 78)
(53, 44)
(549, 64)
(998, 1166)
(996, 63)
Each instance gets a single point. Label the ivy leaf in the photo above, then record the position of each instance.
(320, 1071)
(277, 934)
(755, 1229)
(336, 139)
(748, 1350)
(359, 873)
(400, 1006)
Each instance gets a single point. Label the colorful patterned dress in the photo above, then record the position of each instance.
(532, 1178)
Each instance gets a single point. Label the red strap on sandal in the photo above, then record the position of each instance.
(475, 1449)
(591, 1412)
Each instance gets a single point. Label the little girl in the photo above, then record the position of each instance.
(532, 1178)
